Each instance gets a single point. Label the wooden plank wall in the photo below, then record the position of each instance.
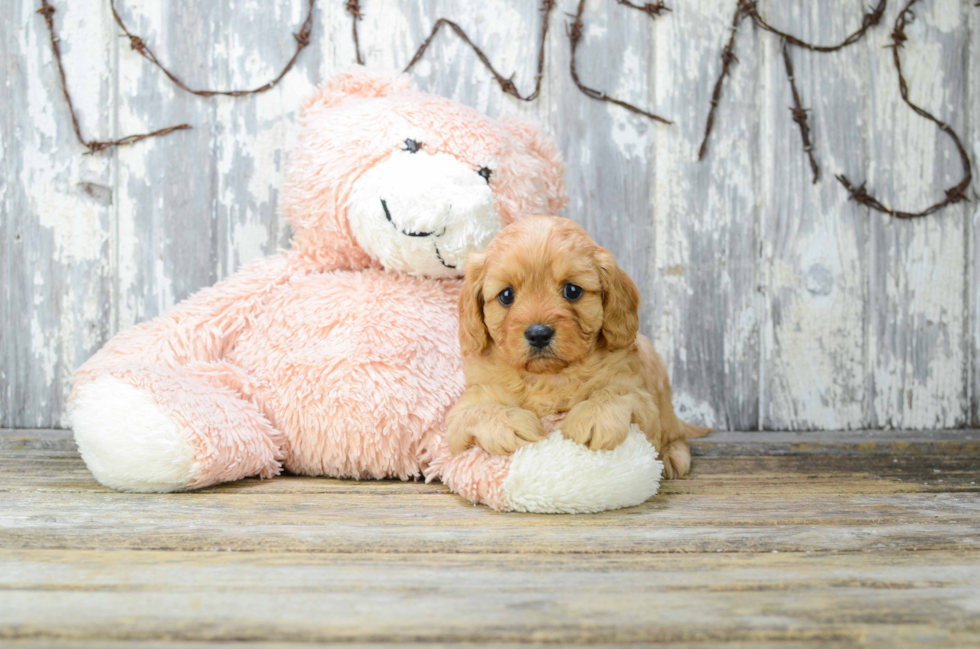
(777, 303)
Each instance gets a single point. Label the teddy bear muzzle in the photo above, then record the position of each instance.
(421, 213)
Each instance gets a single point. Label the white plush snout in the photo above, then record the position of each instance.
(421, 214)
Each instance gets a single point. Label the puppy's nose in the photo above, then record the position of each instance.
(539, 335)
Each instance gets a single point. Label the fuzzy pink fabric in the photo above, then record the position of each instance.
(476, 475)
(318, 359)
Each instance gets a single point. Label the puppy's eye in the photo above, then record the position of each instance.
(571, 292)
(412, 146)
(506, 296)
(485, 173)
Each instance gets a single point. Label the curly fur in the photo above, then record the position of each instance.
(596, 369)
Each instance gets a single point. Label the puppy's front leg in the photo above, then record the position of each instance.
(602, 422)
(487, 417)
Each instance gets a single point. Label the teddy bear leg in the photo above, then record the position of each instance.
(158, 430)
(556, 476)
(477, 476)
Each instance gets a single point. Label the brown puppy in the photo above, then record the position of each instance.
(548, 326)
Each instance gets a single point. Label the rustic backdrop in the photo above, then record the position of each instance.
(777, 303)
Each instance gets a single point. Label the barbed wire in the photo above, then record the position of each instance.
(354, 9)
(506, 83)
(800, 114)
(870, 19)
(954, 194)
(302, 38)
(749, 9)
(653, 8)
(574, 30)
(47, 11)
(727, 58)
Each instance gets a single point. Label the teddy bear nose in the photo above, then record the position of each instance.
(539, 336)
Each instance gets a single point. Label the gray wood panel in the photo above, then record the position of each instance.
(251, 139)
(57, 208)
(918, 280)
(706, 217)
(165, 213)
(815, 239)
(777, 303)
(973, 223)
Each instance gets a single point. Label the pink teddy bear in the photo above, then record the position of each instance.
(340, 356)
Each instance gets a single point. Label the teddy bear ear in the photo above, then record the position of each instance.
(544, 150)
(358, 82)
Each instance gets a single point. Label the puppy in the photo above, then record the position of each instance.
(548, 326)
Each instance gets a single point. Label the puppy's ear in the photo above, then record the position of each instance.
(620, 302)
(473, 335)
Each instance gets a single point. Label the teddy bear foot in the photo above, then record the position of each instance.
(156, 430)
(128, 442)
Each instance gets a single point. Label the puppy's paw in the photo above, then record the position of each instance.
(598, 425)
(507, 430)
(458, 434)
(498, 430)
(677, 459)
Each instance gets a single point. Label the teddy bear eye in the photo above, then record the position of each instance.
(412, 146)
(485, 172)
(506, 296)
(571, 291)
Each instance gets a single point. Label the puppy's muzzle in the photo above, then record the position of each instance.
(539, 336)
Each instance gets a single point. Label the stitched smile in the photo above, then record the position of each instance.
(441, 261)
(384, 206)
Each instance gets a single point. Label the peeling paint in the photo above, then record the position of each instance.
(774, 302)
(74, 219)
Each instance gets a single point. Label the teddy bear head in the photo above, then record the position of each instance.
(387, 176)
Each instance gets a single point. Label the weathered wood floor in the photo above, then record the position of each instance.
(776, 540)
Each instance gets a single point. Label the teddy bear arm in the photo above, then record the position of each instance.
(202, 327)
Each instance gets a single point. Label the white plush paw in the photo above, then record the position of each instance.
(558, 476)
(127, 441)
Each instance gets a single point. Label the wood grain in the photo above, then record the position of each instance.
(917, 343)
(777, 303)
(55, 209)
(973, 222)
(371, 598)
(707, 307)
(815, 240)
(776, 540)
(165, 247)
